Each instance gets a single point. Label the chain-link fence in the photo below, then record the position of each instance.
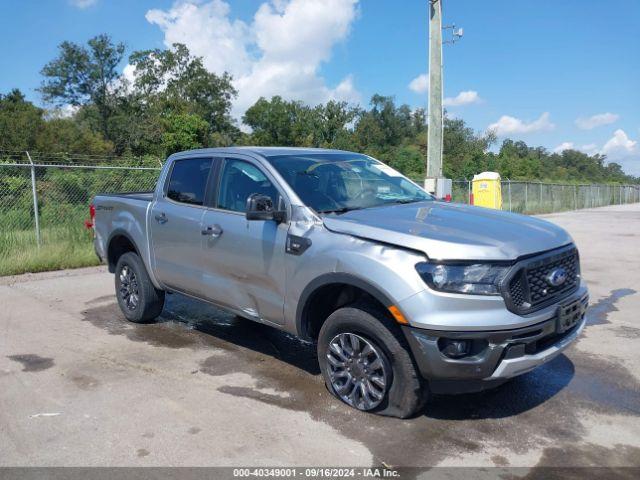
(539, 197)
(44, 202)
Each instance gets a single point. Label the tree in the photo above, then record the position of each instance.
(27, 127)
(330, 122)
(20, 121)
(464, 151)
(279, 122)
(175, 80)
(82, 75)
(384, 124)
(183, 132)
(67, 135)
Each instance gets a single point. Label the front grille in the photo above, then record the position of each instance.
(527, 288)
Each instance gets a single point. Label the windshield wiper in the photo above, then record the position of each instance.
(406, 200)
(338, 211)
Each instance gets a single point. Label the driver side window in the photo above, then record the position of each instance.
(238, 181)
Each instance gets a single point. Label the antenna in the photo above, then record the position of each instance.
(456, 35)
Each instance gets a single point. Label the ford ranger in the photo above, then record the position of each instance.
(404, 295)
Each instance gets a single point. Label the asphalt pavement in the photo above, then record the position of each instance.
(80, 386)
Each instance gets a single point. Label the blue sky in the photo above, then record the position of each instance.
(553, 73)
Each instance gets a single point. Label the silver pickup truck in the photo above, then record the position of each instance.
(404, 295)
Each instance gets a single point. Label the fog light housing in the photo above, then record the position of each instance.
(455, 348)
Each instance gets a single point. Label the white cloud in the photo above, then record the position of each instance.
(65, 111)
(346, 91)
(587, 123)
(507, 125)
(420, 84)
(279, 53)
(82, 4)
(463, 98)
(589, 149)
(564, 146)
(621, 149)
(619, 143)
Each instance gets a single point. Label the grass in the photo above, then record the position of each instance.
(64, 246)
(63, 201)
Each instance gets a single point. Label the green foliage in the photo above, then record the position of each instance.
(278, 122)
(26, 127)
(63, 198)
(282, 122)
(183, 132)
(173, 82)
(173, 103)
(20, 121)
(67, 135)
(80, 75)
(65, 247)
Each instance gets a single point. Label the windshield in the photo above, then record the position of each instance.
(337, 183)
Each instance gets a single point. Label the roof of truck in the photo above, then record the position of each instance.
(264, 151)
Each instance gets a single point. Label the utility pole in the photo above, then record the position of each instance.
(434, 181)
(434, 142)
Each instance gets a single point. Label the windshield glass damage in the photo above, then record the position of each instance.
(338, 183)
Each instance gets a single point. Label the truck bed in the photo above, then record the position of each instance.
(145, 196)
(123, 214)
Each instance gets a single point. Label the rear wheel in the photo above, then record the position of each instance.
(365, 362)
(139, 300)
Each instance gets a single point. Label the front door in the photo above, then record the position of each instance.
(176, 218)
(243, 261)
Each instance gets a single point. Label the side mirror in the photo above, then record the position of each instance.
(260, 207)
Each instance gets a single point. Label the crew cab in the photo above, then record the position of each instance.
(404, 295)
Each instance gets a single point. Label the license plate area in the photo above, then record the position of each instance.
(570, 314)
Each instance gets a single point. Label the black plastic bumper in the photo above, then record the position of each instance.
(473, 372)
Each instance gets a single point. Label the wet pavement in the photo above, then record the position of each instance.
(203, 387)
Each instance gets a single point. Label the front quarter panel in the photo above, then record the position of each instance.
(387, 269)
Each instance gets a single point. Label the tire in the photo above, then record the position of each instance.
(139, 300)
(404, 392)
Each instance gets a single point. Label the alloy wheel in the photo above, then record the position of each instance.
(357, 371)
(129, 288)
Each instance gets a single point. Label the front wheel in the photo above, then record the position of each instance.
(365, 362)
(139, 300)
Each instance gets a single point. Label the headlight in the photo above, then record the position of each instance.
(475, 279)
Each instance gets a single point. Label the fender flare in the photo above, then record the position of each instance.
(329, 278)
(119, 232)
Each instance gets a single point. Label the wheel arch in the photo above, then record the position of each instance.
(344, 288)
(119, 243)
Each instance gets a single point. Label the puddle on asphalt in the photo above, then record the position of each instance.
(143, 452)
(561, 459)
(598, 312)
(624, 331)
(534, 410)
(84, 382)
(31, 362)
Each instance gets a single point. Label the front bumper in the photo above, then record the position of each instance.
(496, 356)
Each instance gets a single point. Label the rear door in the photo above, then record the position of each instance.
(176, 218)
(243, 261)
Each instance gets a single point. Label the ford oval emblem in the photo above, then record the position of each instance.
(557, 277)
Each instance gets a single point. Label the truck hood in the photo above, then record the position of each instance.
(450, 231)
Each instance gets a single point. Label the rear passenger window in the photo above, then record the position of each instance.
(188, 181)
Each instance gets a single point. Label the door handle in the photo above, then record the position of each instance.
(213, 231)
(162, 218)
